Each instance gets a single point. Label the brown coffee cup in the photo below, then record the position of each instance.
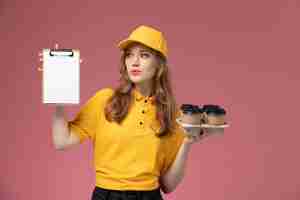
(191, 118)
(214, 119)
(188, 120)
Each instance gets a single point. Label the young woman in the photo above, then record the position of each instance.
(138, 147)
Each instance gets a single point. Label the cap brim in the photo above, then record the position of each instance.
(124, 43)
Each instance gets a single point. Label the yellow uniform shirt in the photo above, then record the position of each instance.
(127, 156)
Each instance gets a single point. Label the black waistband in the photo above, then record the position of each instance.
(127, 191)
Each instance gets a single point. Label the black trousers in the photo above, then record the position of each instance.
(105, 194)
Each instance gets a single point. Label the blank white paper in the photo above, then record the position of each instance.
(61, 78)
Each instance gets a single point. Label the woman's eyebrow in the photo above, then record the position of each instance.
(144, 50)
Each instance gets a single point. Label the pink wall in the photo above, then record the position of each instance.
(243, 55)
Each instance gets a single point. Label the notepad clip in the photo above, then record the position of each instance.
(61, 52)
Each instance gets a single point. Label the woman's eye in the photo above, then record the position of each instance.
(127, 54)
(145, 55)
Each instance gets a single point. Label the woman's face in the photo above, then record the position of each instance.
(141, 64)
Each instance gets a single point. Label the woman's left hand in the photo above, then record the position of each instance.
(191, 139)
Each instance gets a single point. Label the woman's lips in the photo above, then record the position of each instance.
(135, 72)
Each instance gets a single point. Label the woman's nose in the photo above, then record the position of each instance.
(136, 60)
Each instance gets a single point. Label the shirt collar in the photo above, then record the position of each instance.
(139, 97)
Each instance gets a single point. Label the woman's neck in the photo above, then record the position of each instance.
(144, 88)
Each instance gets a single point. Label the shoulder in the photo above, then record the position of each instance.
(100, 96)
(104, 93)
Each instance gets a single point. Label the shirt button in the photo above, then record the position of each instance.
(143, 111)
(141, 123)
(146, 101)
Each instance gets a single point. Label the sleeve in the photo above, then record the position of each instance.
(89, 116)
(172, 146)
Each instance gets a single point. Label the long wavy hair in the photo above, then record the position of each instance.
(119, 103)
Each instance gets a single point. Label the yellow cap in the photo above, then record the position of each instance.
(148, 36)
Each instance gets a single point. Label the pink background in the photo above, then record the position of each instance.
(243, 55)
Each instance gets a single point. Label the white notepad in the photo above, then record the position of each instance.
(61, 76)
